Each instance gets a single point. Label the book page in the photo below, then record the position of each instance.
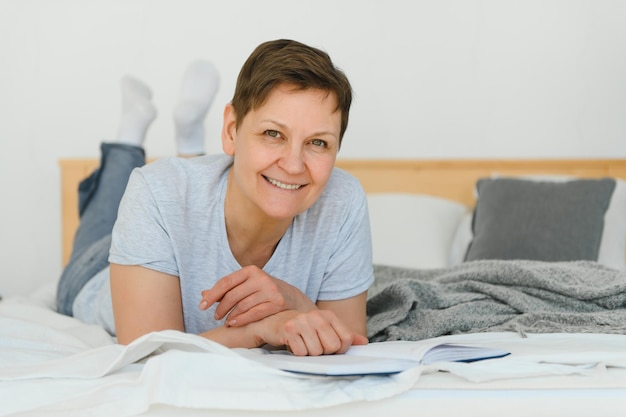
(373, 358)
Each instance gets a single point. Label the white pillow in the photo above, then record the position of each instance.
(413, 230)
(461, 240)
(613, 245)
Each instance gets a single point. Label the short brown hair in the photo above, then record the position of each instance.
(285, 61)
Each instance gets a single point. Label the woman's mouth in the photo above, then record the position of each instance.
(282, 185)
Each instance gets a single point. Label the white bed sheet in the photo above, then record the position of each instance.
(55, 365)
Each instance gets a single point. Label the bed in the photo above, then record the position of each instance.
(447, 234)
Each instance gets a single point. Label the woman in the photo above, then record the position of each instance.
(265, 244)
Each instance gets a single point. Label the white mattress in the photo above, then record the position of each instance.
(55, 365)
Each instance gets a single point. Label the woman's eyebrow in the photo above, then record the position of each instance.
(284, 126)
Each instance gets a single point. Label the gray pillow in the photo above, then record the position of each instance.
(536, 220)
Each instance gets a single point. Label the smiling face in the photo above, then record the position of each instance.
(284, 152)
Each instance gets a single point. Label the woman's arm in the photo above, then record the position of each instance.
(351, 310)
(327, 328)
(145, 300)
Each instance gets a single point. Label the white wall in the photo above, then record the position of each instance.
(433, 78)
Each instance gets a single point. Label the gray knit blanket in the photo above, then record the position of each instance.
(495, 295)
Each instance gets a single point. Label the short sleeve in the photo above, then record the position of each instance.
(139, 235)
(350, 269)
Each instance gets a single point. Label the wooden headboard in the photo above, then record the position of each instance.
(450, 179)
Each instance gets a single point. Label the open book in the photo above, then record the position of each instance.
(374, 358)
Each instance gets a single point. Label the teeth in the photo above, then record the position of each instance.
(283, 186)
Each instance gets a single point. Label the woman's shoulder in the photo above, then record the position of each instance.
(342, 182)
(343, 193)
(175, 170)
(172, 165)
(179, 178)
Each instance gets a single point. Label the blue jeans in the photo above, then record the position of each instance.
(99, 196)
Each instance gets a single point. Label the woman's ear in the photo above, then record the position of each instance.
(229, 130)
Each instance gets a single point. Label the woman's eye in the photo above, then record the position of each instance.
(319, 142)
(272, 133)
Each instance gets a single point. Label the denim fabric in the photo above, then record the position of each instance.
(99, 196)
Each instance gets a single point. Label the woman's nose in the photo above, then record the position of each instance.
(292, 160)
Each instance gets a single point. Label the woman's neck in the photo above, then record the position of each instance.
(252, 236)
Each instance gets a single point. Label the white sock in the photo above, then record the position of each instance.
(138, 112)
(199, 87)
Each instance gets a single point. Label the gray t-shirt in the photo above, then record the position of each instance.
(171, 219)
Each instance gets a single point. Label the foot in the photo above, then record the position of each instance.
(199, 86)
(138, 112)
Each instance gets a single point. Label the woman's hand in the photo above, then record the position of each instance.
(316, 332)
(250, 294)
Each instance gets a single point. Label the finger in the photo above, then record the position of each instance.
(237, 318)
(359, 339)
(257, 291)
(330, 341)
(335, 340)
(210, 297)
(228, 292)
(247, 302)
(223, 286)
(296, 346)
(336, 336)
(301, 335)
(319, 334)
(238, 299)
